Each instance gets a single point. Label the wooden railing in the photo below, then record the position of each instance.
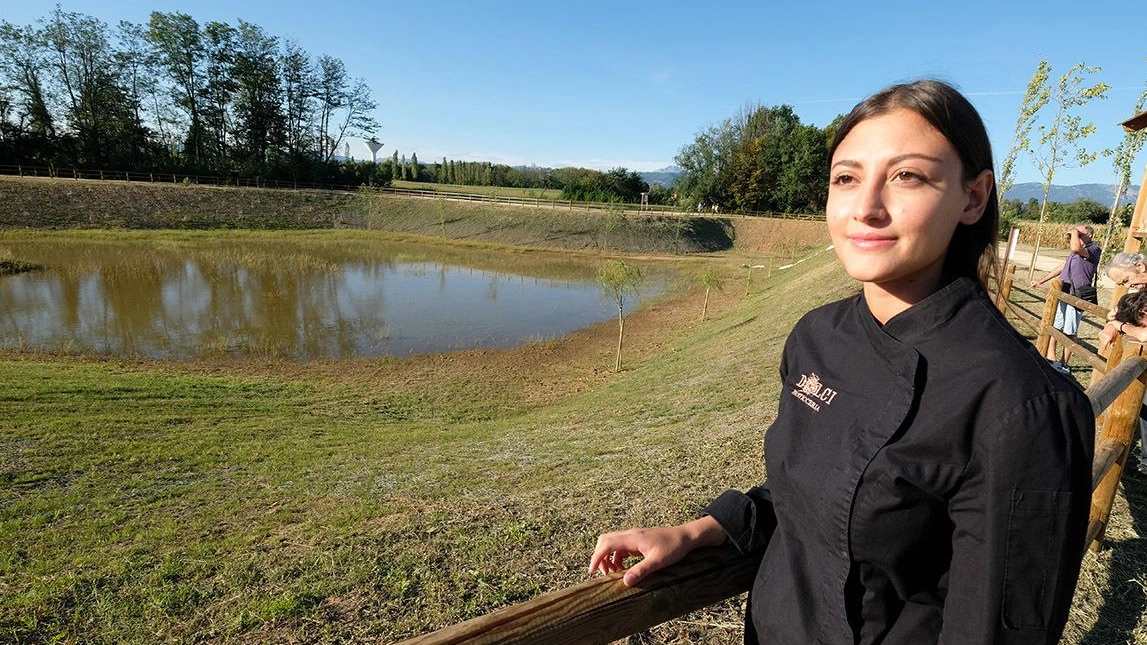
(603, 609)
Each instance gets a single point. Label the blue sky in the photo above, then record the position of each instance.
(611, 83)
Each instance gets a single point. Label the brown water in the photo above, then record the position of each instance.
(307, 296)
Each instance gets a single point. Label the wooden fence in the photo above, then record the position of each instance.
(603, 609)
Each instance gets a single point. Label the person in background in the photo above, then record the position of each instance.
(929, 473)
(1077, 270)
(1129, 318)
(1128, 270)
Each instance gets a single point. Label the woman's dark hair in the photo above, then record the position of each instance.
(972, 251)
(1131, 307)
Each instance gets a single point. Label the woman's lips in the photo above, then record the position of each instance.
(871, 241)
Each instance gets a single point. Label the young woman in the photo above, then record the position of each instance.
(1129, 317)
(928, 472)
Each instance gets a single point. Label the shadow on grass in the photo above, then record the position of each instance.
(1126, 599)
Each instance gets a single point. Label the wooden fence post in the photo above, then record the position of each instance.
(1004, 290)
(1045, 323)
(1114, 439)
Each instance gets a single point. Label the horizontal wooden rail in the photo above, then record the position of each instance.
(603, 609)
(1096, 361)
(1106, 455)
(1107, 389)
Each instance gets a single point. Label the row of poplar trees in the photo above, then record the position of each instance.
(173, 94)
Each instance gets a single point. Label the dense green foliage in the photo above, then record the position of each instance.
(762, 159)
(176, 95)
(1080, 210)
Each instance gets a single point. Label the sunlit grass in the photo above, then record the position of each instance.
(495, 191)
(259, 500)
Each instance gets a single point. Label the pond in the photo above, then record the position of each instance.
(305, 296)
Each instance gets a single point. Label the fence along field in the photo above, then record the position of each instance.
(537, 198)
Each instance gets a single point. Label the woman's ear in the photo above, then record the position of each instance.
(979, 190)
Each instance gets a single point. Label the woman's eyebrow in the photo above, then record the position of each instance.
(851, 163)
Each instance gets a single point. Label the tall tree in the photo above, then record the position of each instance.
(260, 125)
(702, 163)
(22, 62)
(137, 64)
(802, 184)
(218, 91)
(331, 94)
(77, 48)
(762, 136)
(1062, 135)
(179, 44)
(98, 111)
(762, 158)
(345, 107)
(300, 88)
(1035, 98)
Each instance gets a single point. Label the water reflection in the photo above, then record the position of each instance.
(307, 299)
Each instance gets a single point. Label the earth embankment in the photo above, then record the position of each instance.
(44, 203)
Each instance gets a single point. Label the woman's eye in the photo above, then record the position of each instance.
(841, 180)
(908, 175)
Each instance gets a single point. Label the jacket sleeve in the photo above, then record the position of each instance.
(747, 517)
(1020, 521)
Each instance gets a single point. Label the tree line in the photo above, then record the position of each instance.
(175, 95)
(576, 184)
(760, 159)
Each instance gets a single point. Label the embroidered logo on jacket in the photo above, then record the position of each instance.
(810, 388)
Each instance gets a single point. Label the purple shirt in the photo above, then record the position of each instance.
(1078, 270)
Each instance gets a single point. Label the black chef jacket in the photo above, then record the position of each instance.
(928, 482)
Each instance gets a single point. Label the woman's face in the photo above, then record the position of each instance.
(896, 194)
(1136, 276)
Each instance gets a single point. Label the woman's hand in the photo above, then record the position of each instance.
(1108, 334)
(661, 546)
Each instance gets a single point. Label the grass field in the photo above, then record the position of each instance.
(495, 191)
(371, 500)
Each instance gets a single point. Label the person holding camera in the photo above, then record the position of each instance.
(1077, 274)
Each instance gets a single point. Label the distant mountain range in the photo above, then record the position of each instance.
(665, 176)
(1102, 193)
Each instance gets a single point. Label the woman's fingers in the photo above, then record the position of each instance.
(610, 552)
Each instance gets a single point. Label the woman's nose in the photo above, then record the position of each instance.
(869, 203)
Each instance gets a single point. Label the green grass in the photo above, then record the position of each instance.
(545, 194)
(544, 226)
(149, 502)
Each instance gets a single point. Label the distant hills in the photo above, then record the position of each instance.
(665, 176)
(1102, 193)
